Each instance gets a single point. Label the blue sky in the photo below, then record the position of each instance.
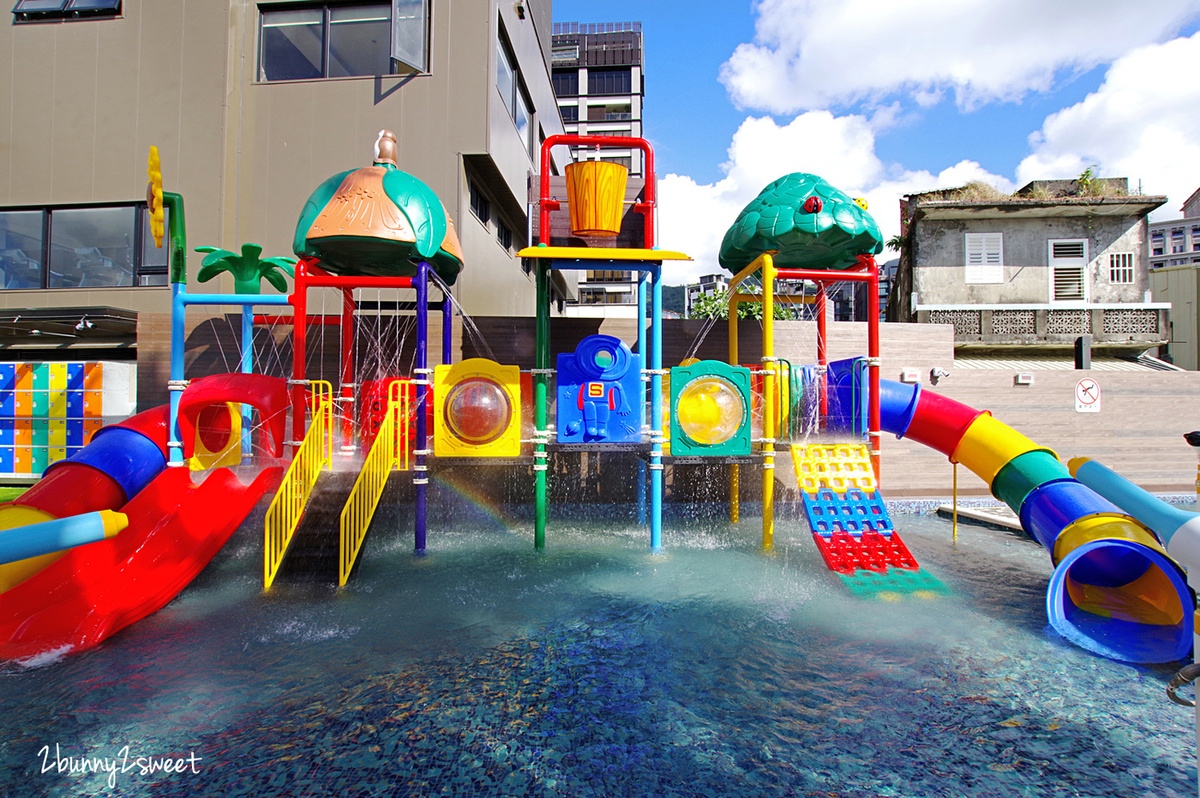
(885, 98)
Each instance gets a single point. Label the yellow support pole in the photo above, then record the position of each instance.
(954, 522)
(770, 376)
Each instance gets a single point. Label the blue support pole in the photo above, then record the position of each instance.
(420, 470)
(656, 432)
(247, 368)
(174, 386)
(643, 277)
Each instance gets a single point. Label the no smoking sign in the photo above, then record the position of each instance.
(1087, 396)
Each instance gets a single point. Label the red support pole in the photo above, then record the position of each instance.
(874, 421)
(299, 302)
(822, 351)
(347, 380)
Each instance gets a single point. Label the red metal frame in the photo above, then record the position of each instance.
(868, 273)
(646, 207)
(310, 275)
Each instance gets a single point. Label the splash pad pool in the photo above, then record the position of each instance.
(716, 663)
(597, 668)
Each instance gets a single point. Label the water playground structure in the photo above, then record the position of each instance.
(115, 531)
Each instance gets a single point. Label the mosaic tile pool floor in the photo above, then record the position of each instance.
(597, 669)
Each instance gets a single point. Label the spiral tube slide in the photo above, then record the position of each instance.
(1114, 590)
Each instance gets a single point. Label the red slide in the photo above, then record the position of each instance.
(176, 527)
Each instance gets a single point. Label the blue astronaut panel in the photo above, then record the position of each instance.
(600, 393)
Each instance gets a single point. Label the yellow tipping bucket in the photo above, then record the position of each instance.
(596, 193)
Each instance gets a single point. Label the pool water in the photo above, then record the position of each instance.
(599, 669)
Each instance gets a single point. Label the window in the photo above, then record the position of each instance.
(325, 41)
(504, 235)
(563, 54)
(570, 113)
(508, 83)
(410, 34)
(1067, 276)
(565, 84)
(984, 258)
(610, 81)
(79, 247)
(480, 205)
(33, 10)
(1120, 267)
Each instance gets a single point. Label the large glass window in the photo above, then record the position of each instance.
(30, 10)
(565, 84)
(325, 40)
(610, 81)
(98, 247)
(508, 83)
(92, 247)
(21, 249)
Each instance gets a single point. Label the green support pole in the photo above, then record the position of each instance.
(541, 366)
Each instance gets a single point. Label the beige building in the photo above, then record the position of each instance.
(251, 106)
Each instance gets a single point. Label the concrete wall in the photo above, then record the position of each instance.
(939, 253)
(87, 99)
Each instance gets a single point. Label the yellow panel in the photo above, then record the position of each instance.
(58, 402)
(58, 432)
(601, 253)
(230, 454)
(507, 378)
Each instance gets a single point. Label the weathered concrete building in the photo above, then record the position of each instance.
(1034, 270)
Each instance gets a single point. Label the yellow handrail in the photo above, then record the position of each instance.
(387, 452)
(314, 455)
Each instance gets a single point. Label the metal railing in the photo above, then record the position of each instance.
(314, 455)
(389, 452)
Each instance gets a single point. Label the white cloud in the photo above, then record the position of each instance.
(693, 217)
(815, 54)
(1142, 123)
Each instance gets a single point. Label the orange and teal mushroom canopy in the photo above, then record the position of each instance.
(378, 221)
(807, 221)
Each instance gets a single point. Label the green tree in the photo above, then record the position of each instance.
(895, 243)
(710, 306)
(248, 269)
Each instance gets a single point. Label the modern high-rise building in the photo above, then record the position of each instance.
(598, 75)
(597, 70)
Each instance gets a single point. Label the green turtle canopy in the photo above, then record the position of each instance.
(809, 222)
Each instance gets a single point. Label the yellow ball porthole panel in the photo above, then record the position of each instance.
(477, 412)
(711, 410)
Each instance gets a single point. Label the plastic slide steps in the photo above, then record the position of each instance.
(851, 525)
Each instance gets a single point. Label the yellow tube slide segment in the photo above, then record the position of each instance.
(988, 445)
